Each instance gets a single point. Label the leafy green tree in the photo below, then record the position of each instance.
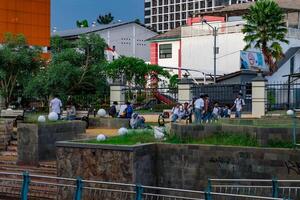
(75, 69)
(265, 29)
(134, 70)
(17, 61)
(82, 24)
(105, 19)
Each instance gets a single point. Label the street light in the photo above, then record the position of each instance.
(215, 33)
(292, 114)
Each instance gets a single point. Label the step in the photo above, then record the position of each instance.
(8, 153)
(14, 142)
(12, 148)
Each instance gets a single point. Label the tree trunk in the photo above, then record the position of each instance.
(268, 59)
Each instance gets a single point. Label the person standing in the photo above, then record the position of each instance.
(55, 105)
(238, 105)
(198, 105)
(113, 110)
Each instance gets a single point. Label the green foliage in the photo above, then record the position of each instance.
(174, 81)
(105, 19)
(18, 61)
(134, 70)
(265, 29)
(75, 69)
(82, 24)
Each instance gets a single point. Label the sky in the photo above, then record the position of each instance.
(64, 13)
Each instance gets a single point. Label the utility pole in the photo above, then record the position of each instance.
(215, 32)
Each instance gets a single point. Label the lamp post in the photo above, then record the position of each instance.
(215, 50)
(292, 113)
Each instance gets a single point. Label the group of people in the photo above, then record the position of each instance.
(204, 110)
(123, 111)
(126, 111)
(56, 106)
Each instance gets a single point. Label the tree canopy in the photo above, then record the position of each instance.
(105, 19)
(18, 61)
(75, 68)
(265, 29)
(82, 24)
(134, 71)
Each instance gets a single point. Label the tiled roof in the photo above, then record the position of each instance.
(172, 34)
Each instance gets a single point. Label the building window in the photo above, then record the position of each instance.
(292, 65)
(165, 51)
(147, 4)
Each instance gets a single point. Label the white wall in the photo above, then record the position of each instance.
(197, 53)
(129, 40)
(170, 62)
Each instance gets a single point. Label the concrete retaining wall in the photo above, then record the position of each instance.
(178, 166)
(36, 142)
(262, 134)
(6, 131)
(108, 122)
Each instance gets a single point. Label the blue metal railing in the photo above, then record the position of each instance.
(25, 186)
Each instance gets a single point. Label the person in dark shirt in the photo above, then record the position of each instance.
(113, 109)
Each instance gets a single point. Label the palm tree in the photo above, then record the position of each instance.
(82, 24)
(105, 19)
(265, 29)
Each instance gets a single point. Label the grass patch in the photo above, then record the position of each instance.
(280, 144)
(133, 137)
(218, 139)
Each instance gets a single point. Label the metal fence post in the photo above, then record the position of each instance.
(208, 191)
(139, 192)
(25, 186)
(274, 188)
(79, 186)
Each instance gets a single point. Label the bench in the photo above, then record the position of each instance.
(13, 114)
(80, 115)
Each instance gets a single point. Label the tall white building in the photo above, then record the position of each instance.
(163, 15)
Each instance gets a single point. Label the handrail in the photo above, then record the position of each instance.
(207, 194)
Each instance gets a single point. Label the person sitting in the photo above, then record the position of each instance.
(137, 121)
(227, 112)
(113, 110)
(71, 111)
(175, 112)
(216, 112)
(129, 110)
(123, 110)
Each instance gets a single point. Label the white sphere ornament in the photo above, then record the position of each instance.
(101, 137)
(122, 131)
(290, 112)
(158, 133)
(53, 116)
(101, 113)
(41, 118)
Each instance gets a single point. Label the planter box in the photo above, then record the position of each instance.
(263, 134)
(172, 165)
(108, 122)
(36, 142)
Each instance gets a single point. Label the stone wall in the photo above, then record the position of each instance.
(6, 132)
(263, 134)
(176, 166)
(108, 122)
(123, 164)
(36, 142)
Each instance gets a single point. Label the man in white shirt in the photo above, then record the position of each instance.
(55, 105)
(238, 104)
(198, 105)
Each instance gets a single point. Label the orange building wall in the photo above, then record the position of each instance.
(29, 17)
